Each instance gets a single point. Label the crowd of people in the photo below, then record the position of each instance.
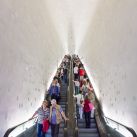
(51, 114)
(83, 91)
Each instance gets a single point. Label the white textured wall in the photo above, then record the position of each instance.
(33, 35)
(29, 52)
(109, 51)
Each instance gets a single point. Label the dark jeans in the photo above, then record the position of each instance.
(40, 133)
(54, 130)
(65, 78)
(75, 76)
(87, 119)
(62, 78)
(76, 90)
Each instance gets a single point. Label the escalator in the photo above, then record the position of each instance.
(87, 132)
(28, 128)
(63, 103)
(100, 125)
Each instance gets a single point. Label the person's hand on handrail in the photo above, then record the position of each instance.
(32, 116)
(64, 116)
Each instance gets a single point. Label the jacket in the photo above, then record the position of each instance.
(86, 106)
(54, 90)
(58, 114)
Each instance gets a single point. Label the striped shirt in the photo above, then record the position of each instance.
(42, 114)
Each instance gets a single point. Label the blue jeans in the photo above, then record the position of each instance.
(76, 90)
(65, 78)
(40, 133)
(54, 130)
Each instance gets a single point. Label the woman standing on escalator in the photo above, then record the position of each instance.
(42, 113)
(87, 111)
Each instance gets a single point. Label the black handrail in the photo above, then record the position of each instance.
(128, 128)
(11, 129)
(66, 110)
(75, 108)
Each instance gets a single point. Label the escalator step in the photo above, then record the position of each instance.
(88, 135)
(82, 125)
(83, 120)
(88, 130)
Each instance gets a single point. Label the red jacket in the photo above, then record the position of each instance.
(81, 72)
(86, 105)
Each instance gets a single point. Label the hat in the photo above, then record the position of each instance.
(53, 101)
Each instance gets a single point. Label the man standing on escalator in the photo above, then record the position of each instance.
(54, 90)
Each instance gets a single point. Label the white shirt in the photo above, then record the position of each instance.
(79, 97)
(75, 70)
(62, 71)
(67, 60)
(77, 84)
(64, 60)
(58, 85)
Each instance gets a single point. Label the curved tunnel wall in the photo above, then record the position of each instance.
(30, 50)
(29, 53)
(109, 52)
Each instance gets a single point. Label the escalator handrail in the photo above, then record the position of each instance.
(131, 130)
(66, 110)
(11, 129)
(74, 93)
(75, 113)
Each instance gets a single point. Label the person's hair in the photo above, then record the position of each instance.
(81, 65)
(84, 81)
(86, 97)
(80, 91)
(55, 78)
(88, 81)
(45, 101)
(53, 100)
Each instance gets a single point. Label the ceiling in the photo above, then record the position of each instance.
(71, 19)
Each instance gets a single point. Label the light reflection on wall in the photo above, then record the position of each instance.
(81, 23)
(53, 74)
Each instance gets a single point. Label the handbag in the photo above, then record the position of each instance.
(91, 106)
(45, 125)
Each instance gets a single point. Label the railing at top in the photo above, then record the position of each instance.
(17, 130)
